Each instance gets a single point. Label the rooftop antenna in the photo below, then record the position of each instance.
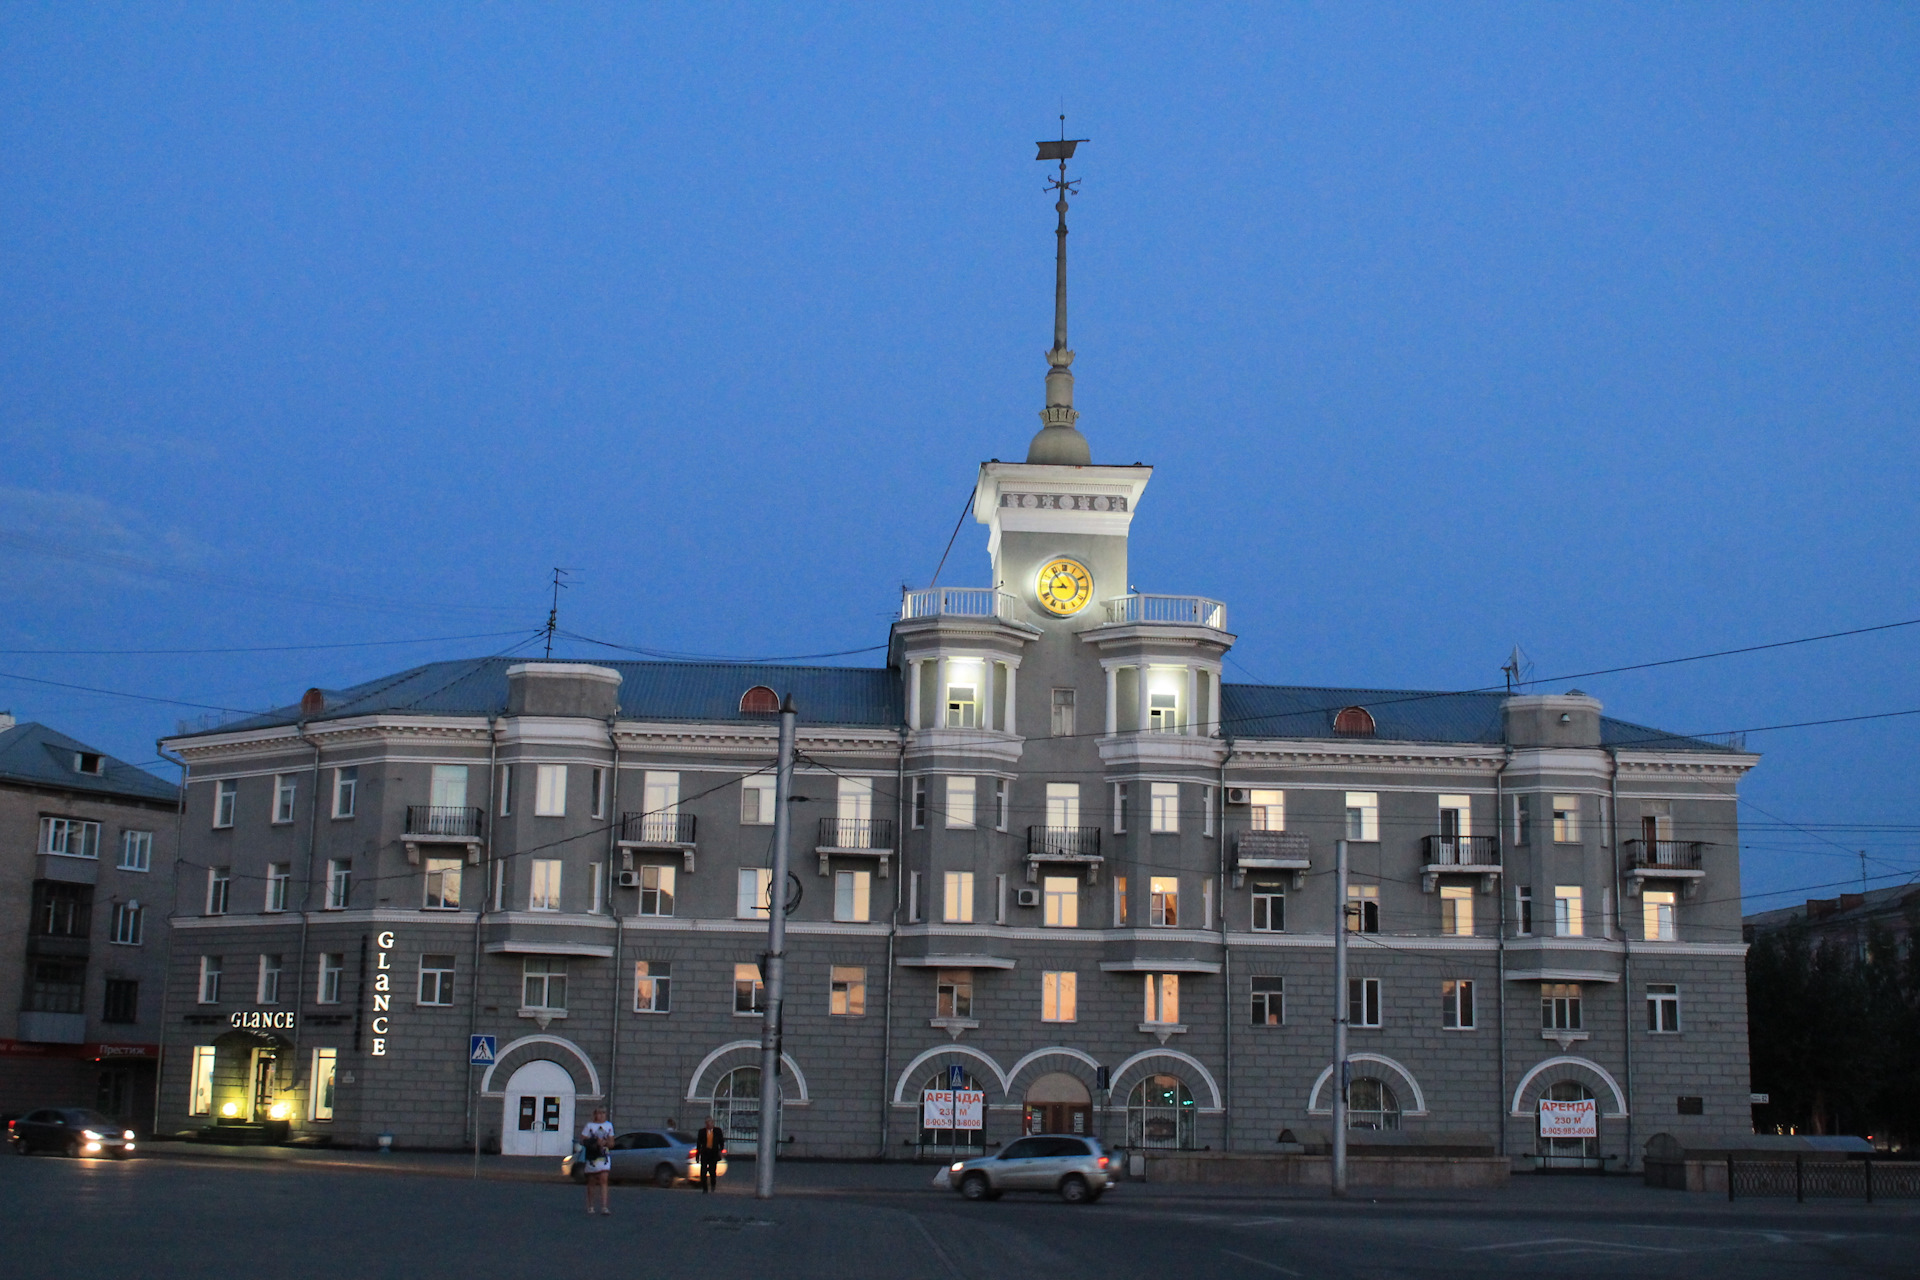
(1059, 441)
(553, 614)
(1518, 667)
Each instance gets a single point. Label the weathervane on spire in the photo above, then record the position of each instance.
(1059, 441)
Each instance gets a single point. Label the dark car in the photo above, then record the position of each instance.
(73, 1131)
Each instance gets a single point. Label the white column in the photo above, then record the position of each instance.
(1013, 685)
(1193, 700)
(1113, 701)
(1140, 683)
(913, 693)
(988, 681)
(940, 677)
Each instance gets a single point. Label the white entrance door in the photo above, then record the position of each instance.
(539, 1111)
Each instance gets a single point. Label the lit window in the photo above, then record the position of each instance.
(1560, 1006)
(285, 790)
(1119, 901)
(1163, 909)
(1363, 908)
(550, 791)
(544, 892)
(1163, 998)
(963, 708)
(1269, 1001)
(749, 996)
(436, 979)
(753, 894)
(1163, 712)
(1363, 1002)
(1456, 910)
(1456, 1004)
(1663, 1007)
(1657, 914)
(443, 884)
(660, 801)
(1269, 910)
(1569, 921)
(953, 994)
(847, 991)
(544, 983)
(850, 896)
(136, 850)
(957, 904)
(225, 795)
(1165, 812)
(1058, 996)
(325, 1067)
(1267, 810)
(1566, 819)
(656, 890)
(1060, 902)
(652, 986)
(1363, 815)
(960, 795)
(200, 1082)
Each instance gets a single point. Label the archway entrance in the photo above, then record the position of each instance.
(1567, 1153)
(1058, 1103)
(539, 1111)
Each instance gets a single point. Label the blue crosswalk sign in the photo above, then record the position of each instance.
(956, 1075)
(482, 1051)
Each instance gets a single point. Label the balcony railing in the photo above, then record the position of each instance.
(1266, 848)
(1669, 855)
(1463, 851)
(656, 828)
(1063, 844)
(857, 833)
(452, 822)
(1190, 611)
(961, 602)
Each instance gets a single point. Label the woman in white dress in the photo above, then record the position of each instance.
(596, 1143)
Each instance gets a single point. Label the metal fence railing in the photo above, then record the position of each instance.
(1823, 1179)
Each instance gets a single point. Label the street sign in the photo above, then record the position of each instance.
(956, 1075)
(481, 1050)
(1759, 1099)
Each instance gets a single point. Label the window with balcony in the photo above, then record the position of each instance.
(1363, 815)
(226, 794)
(953, 994)
(1267, 810)
(286, 789)
(1269, 1001)
(957, 900)
(136, 850)
(652, 986)
(550, 791)
(346, 790)
(1163, 712)
(1456, 911)
(1363, 908)
(1456, 1004)
(1269, 910)
(656, 890)
(436, 979)
(846, 991)
(1063, 713)
(753, 893)
(1363, 1002)
(660, 802)
(963, 706)
(339, 883)
(443, 884)
(851, 891)
(56, 986)
(543, 893)
(1164, 815)
(447, 791)
(749, 994)
(1163, 998)
(1060, 902)
(1657, 912)
(1163, 907)
(543, 983)
(1059, 995)
(960, 796)
(70, 837)
(1560, 1006)
(62, 909)
(1569, 919)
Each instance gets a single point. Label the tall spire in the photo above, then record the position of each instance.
(1059, 441)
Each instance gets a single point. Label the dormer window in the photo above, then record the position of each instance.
(89, 762)
(963, 707)
(759, 701)
(1354, 722)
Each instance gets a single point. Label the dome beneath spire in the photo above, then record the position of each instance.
(1060, 446)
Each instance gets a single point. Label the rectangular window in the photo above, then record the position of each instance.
(1060, 901)
(331, 963)
(544, 895)
(1663, 1007)
(61, 909)
(1164, 815)
(1560, 1006)
(956, 905)
(1363, 1002)
(286, 789)
(1000, 899)
(1456, 910)
(1267, 810)
(847, 991)
(656, 890)
(226, 794)
(56, 986)
(219, 885)
(129, 920)
(1363, 815)
(1002, 804)
(1269, 911)
(652, 986)
(200, 1082)
(919, 803)
(436, 979)
(506, 791)
(543, 983)
(339, 883)
(1523, 909)
(1566, 819)
(122, 1004)
(851, 892)
(268, 989)
(753, 893)
(1163, 998)
(447, 791)
(756, 802)
(1456, 1004)
(1657, 908)
(1063, 709)
(1363, 908)
(963, 708)
(1269, 1001)
(1058, 996)
(443, 884)
(550, 791)
(211, 967)
(1119, 808)
(1523, 819)
(70, 837)
(279, 875)
(1163, 712)
(953, 994)
(660, 797)
(913, 896)
(960, 802)
(1456, 817)
(599, 793)
(1119, 901)
(136, 850)
(1163, 904)
(1206, 811)
(1063, 805)
(749, 996)
(1568, 919)
(346, 788)
(326, 1063)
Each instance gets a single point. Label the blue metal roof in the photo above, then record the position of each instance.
(39, 756)
(697, 691)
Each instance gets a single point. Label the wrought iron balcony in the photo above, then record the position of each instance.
(857, 835)
(1076, 846)
(657, 829)
(1463, 851)
(1190, 611)
(1669, 856)
(959, 602)
(451, 822)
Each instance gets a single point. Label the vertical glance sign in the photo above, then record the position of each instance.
(382, 992)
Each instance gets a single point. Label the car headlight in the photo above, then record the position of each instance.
(92, 1146)
(128, 1135)
(956, 1166)
(91, 1136)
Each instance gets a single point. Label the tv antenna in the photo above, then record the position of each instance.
(1518, 668)
(553, 614)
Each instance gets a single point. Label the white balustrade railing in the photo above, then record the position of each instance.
(964, 602)
(1192, 611)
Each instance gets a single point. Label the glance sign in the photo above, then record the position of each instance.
(382, 991)
(260, 1020)
(1579, 1119)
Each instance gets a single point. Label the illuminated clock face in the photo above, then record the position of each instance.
(1064, 586)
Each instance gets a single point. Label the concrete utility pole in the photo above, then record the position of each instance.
(769, 1143)
(1339, 1077)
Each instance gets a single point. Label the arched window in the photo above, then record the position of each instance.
(736, 1108)
(1354, 722)
(759, 701)
(934, 1141)
(1567, 1151)
(1371, 1105)
(1160, 1113)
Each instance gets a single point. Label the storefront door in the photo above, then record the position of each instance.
(262, 1095)
(539, 1111)
(1059, 1103)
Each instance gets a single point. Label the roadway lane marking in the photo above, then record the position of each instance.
(938, 1252)
(1261, 1262)
(1583, 1246)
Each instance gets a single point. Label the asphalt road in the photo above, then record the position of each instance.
(198, 1218)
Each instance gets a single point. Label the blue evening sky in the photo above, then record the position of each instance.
(1585, 328)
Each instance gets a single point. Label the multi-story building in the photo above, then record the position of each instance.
(1849, 921)
(86, 889)
(1046, 851)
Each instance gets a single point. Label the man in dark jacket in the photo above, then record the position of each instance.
(708, 1146)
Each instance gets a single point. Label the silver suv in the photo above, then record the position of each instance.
(1079, 1169)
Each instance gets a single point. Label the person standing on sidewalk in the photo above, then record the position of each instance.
(596, 1149)
(708, 1147)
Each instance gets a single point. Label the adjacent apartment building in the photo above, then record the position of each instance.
(86, 890)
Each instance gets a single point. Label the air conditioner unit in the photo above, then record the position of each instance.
(1029, 897)
(1236, 795)
(629, 879)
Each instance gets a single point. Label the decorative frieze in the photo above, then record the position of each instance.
(1065, 502)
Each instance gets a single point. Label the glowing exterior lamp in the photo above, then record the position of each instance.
(230, 1109)
(279, 1111)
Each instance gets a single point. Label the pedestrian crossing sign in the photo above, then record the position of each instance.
(482, 1051)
